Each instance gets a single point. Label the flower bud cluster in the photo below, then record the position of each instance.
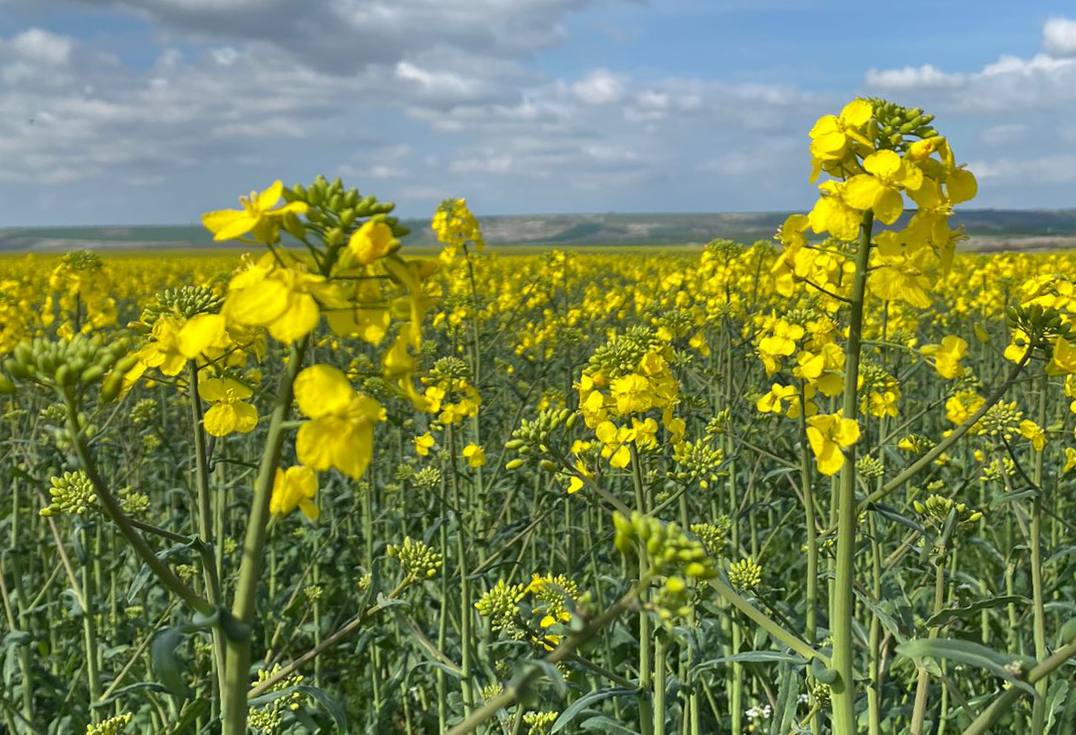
(746, 574)
(185, 302)
(937, 509)
(714, 536)
(418, 559)
(68, 365)
(270, 716)
(540, 723)
(112, 726)
(669, 550)
(532, 439)
(71, 492)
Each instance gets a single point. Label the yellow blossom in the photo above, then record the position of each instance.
(294, 488)
(947, 356)
(424, 443)
(259, 215)
(475, 456)
(828, 435)
(340, 433)
(230, 412)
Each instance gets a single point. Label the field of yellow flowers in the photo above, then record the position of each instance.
(819, 484)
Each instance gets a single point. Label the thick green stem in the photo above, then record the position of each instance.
(237, 659)
(922, 688)
(205, 518)
(1038, 707)
(843, 689)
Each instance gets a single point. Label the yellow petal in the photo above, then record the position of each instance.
(888, 206)
(883, 163)
(220, 420)
(270, 196)
(321, 390)
(857, 113)
(298, 320)
(862, 191)
(259, 304)
(961, 185)
(200, 332)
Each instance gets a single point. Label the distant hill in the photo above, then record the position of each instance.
(989, 229)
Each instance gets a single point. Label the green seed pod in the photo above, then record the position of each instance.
(1068, 631)
(513, 464)
(24, 354)
(548, 465)
(17, 369)
(125, 363)
(91, 374)
(513, 444)
(110, 388)
(6, 386)
(64, 375)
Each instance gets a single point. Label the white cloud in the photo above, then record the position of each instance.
(1054, 169)
(599, 87)
(926, 76)
(1059, 37)
(436, 83)
(41, 47)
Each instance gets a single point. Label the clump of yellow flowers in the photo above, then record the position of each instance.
(877, 157)
(624, 381)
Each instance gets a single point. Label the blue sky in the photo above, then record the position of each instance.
(151, 111)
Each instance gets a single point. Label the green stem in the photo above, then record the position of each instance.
(1038, 707)
(205, 518)
(646, 713)
(843, 689)
(238, 653)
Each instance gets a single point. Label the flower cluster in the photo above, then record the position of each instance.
(623, 382)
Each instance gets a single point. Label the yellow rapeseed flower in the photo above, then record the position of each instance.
(294, 488)
(828, 435)
(260, 215)
(340, 433)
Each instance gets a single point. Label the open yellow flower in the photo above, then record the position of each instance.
(1063, 360)
(282, 299)
(880, 188)
(829, 435)
(260, 215)
(774, 401)
(947, 356)
(424, 443)
(1034, 434)
(832, 135)
(294, 488)
(230, 413)
(372, 241)
(340, 433)
(832, 213)
(475, 456)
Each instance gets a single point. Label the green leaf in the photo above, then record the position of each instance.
(327, 703)
(166, 664)
(752, 657)
(971, 654)
(606, 725)
(583, 702)
(959, 613)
